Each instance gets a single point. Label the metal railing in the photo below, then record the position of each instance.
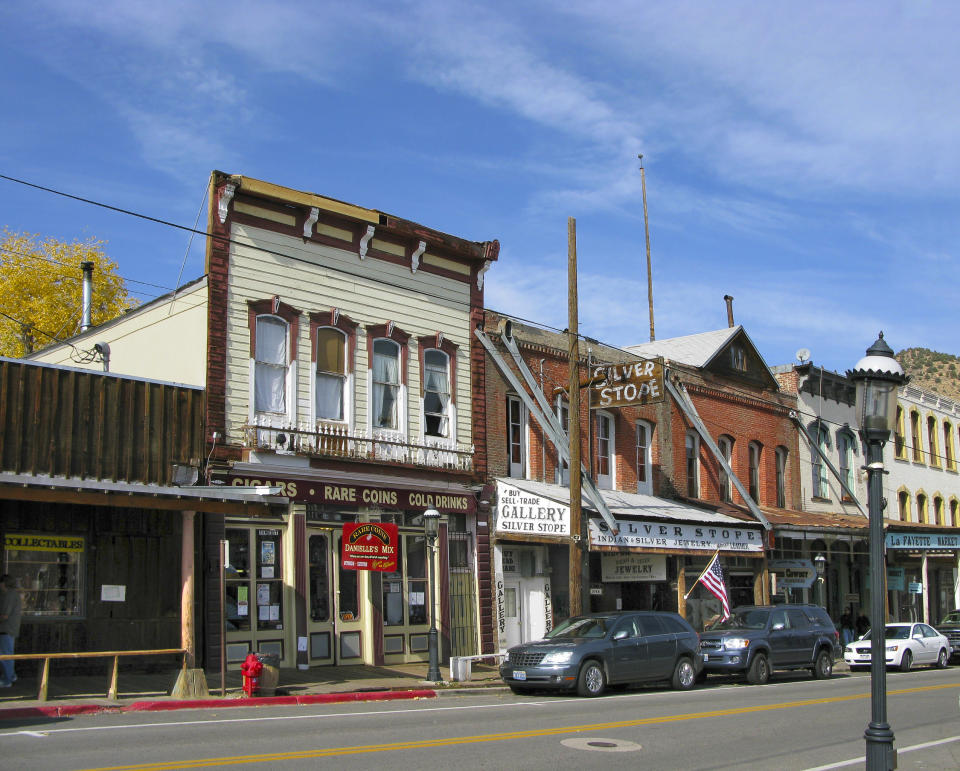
(114, 672)
(334, 440)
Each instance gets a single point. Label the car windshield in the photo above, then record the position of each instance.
(581, 626)
(952, 618)
(893, 633)
(743, 619)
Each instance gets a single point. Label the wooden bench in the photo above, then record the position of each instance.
(461, 667)
(112, 687)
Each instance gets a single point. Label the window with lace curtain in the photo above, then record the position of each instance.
(271, 366)
(331, 374)
(386, 384)
(436, 393)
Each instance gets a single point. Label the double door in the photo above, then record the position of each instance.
(334, 613)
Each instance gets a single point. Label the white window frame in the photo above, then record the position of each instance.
(782, 454)
(846, 451)
(290, 378)
(754, 460)
(401, 428)
(691, 442)
(451, 412)
(347, 399)
(821, 482)
(562, 410)
(725, 445)
(644, 456)
(606, 481)
(517, 434)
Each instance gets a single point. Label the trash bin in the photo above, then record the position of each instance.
(270, 677)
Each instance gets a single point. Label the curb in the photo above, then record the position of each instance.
(166, 705)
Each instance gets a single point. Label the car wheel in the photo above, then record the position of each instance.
(759, 672)
(906, 661)
(684, 675)
(823, 666)
(943, 659)
(592, 680)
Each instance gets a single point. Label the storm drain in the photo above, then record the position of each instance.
(600, 745)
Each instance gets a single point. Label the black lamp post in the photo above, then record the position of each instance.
(431, 527)
(877, 377)
(820, 562)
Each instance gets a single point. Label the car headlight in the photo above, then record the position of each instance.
(556, 658)
(736, 643)
(893, 648)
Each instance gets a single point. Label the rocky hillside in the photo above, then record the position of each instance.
(932, 370)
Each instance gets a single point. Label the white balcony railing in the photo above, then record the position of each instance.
(335, 440)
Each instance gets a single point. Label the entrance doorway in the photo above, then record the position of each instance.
(334, 623)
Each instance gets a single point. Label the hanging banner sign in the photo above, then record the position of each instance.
(620, 385)
(370, 546)
(633, 567)
(640, 534)
(794, 574)
(521, 512)
(923, 541)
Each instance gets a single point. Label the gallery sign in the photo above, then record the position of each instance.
(923, 541)
(621, 385)
(651, 534)
(351, 495)
(793, 574)
(521, 512)
(370, 546)
(633, 567)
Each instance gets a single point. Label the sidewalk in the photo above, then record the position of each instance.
(138, 691)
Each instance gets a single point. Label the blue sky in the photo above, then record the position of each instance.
(800, 157)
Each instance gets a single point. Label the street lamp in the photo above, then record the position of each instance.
(820, 562)
(877, 377)
(431, 527)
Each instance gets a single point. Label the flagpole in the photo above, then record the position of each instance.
(716, 554)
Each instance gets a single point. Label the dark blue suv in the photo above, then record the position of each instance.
(757, 639)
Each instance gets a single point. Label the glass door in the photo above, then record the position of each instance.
(333, 602)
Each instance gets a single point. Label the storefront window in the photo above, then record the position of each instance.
(48, 571)
(405, 591)
(250, 591)
(349, 591)
(319, 579)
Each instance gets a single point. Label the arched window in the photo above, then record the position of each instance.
(516, 437)
(644, 457)
(820, 485)
(846, 445)
(692, 446)
(386, 384)
(953, 513)
(782, 455)
(915, 436)
(948, 460)
(563, 415)
(755, 450)
(933, 441)
(606, 448)
(725, 444)
(923, 516)
(899, 445)
(938, 510)
(903, 505)
(436, 393)
(271, 366)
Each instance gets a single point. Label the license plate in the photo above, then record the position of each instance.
(519, 674)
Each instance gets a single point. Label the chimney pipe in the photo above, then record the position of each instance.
(729, 300)
(87, 268)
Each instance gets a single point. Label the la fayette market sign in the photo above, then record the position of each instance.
(650, 534)
(923, 541)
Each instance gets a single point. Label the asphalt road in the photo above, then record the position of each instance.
(792, 723)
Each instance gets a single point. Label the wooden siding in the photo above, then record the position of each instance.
(318, 278)
(66, 422)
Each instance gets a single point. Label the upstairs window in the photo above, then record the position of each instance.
(605, 451)
(330, 374)
(923, 516)
(386, 384)
(845, 449)
(516, 437)
(644, 433)
(738, 358)
(933, 441)
(563, 415)
(938, 510)
(436, 393)
(692, 446)
(903, 505)
(948, 460)
(782, 477)
(953, 513)
(271, 366)
(820, 481)
(915, 436)
(755, 450)
(725, 445)
(899, 443)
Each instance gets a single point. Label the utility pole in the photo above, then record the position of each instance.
(646, 230)
(579, 557)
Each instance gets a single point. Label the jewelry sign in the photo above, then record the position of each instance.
(370, 546)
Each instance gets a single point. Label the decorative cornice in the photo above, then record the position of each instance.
(417, 254)
(311, 221)
(225, 197)
(365, 241)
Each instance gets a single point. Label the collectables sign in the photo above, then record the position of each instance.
(370, 546)
(620, 385)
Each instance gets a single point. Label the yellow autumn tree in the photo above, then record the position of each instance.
(41, 290)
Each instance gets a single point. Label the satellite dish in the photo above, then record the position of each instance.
(803, 355)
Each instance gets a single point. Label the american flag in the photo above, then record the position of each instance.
(712, 578)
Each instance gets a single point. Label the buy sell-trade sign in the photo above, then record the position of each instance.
(370, 546)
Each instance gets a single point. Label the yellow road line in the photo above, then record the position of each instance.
(431, 743)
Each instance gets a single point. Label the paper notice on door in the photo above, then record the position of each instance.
(263, 613)
(274, 612)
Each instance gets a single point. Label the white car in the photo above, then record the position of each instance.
(907, 644)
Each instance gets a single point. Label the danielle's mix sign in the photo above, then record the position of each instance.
(370, 546)
(521, 512)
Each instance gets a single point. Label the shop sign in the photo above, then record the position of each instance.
(340, 494)
(923, 541)
(370, 546)
(23, 542)
(521, 512)
(895, 579)
(620, 385)
(633, 567)
(915, 587)
(650, 534)
(793, 574)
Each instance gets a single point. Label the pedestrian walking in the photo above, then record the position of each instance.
(863, 624)
(846, 626)
(9, 626)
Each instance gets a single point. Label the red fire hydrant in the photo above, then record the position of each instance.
(251, 669)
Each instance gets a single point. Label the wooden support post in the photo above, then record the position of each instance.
(681, 587)
(112, 691)
(44, 680)
(191, 683)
